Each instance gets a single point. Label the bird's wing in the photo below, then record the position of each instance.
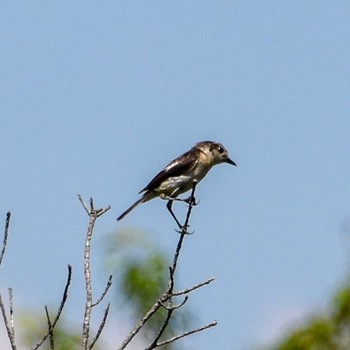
(181, 165)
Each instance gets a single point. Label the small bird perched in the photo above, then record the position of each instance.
(181, 174)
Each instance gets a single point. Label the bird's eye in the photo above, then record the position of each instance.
(220, 149)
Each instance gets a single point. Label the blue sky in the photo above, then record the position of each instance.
(97, 98)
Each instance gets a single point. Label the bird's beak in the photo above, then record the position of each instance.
(229, 161)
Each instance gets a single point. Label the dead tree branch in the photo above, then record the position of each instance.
(50, 329)
(52, 325)
(138, 327)
(212, 324)
(109, 283)
(93, 214)
(6, 230)
(100, 329)
(199, 285)
(9, 323)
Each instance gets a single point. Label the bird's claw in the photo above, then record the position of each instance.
(183, 229)
(191, 201)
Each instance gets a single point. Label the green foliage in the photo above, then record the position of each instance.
(330, 331)
(317, 335)
(143, 282)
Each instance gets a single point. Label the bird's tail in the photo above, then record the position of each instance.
(147, 196)
(127, 211)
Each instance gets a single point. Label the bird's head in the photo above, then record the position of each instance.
(216, 152)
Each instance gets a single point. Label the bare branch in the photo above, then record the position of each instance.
(6, 230)
(191, 204)
(171, 340)
(8, 324)
(93, 215)
(100, 329)
(92, 211)
(87, 272)
(109, 283)
(137, 328)
(188, 290)
(12, 324)
(183, 232)
(102, 211)
(172, 306)
(50, 329)
(161, 331)
(83, 204)
(60, 309)
(91, 205)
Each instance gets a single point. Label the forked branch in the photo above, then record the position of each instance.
(93, 214)
(8, 321)
(51, 325)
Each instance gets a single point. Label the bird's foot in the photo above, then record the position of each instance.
(191, 201)
(183, 230)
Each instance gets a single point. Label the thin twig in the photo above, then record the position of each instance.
(8, 327)
(188, 290)
(100, 329)
(171, 340)
(184, 229)
(191, 204)
(172, 306)
(83, 204)
(60, 309)
(170, 309)
(161, 331)
(92, 210)
(142, 322)
(12, 323)
(6, 230)
(9, 323)
(91, 205)
(109, 283)
(50, 329)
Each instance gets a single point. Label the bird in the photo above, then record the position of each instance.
(180, 175)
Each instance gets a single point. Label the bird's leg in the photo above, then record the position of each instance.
(190, 200)
(169, 205)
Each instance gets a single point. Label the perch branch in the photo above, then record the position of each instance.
(166, 297)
